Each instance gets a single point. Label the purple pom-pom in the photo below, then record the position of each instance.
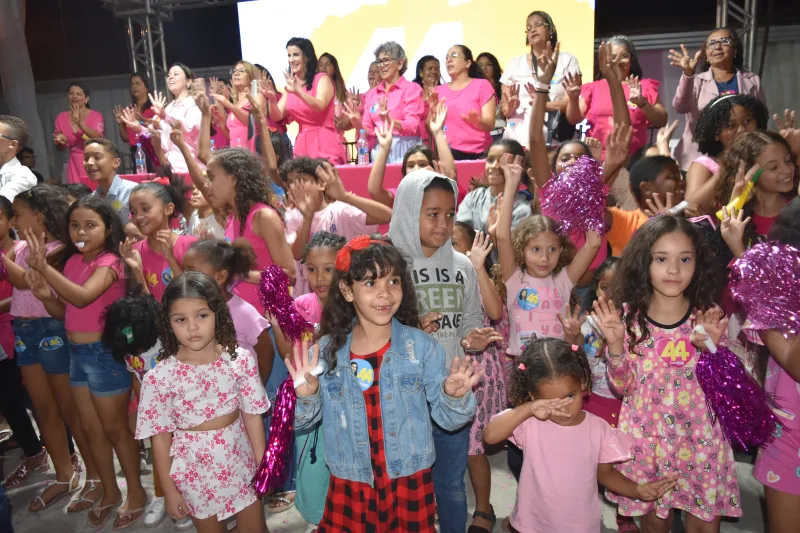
(741, 405)
(273, 467)
(765, 280)
(577, 198)
(275, 297)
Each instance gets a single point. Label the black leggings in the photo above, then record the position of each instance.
(12, 405)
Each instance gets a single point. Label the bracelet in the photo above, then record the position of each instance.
(612, 356)
(541, 86)
(542, 91)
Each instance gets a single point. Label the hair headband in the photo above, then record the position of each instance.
(721, 99)
(361, 242)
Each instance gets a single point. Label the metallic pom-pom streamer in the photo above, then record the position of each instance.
(765, 280)
(275, 297)
(577, 198)
(3, 270)
(274, 466)
(743, 408)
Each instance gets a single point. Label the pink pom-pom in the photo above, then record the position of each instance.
(577, 198)
(275, 297)
(765, 280)
(3, 269)
(274, 465)
(741, 405)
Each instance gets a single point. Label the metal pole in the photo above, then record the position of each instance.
(132, 46)
(753, 33)
(163, 48)
(722, 13)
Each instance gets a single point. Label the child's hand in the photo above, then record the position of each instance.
(479, 338)
(37, 256)
(512, 169)
(492, 220)
(38, 285)
(176, 505)
(546, 409)
(481, 248)
(572, 322)
(164, 236)
(384, 135)
(463, 375)
(300, 368)
(131, 256)
(656, 489)
(742, 179)
(593, 239)
(429, 322)
(618, 144)
(715, 323)
(437, 118)
(596, 148)
(176, 135)
(297, 196)
(607, 319)
(333, 183)
(733, 225)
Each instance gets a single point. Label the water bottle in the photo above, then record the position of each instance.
(363, 148)
(141, 165)
(213, 146)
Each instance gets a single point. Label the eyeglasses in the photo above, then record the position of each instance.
(238, 70)
(725, 41)
(536, 24)
(7, 137)
(455, 55)
(385, 62)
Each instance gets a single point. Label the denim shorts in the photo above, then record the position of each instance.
(42, 341)
(91, 365)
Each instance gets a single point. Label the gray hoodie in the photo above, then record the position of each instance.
(446, 282)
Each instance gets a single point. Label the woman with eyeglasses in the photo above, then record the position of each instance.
(515, 103)
(471, 105)
(722, 55)
(395, 103)
(73, 128)
(308, 100)
(241, 132)
(592, 101)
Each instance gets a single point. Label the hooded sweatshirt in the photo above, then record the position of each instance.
(446, 282)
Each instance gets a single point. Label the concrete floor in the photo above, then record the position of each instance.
(55, 519)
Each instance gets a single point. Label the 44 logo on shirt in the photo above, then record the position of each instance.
(675, 352)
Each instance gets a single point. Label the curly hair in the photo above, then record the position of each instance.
(633, 286)
(251, 186)
(717, 115)
(110, 218)
(132, 325)
(543, 360)
(786, 228)
(196, 285)
(324, 239)
(533, 226)
(301, 165)
(236, 259)
(174, 193)
(375, 262)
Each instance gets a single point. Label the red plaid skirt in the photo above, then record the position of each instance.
(399, 505)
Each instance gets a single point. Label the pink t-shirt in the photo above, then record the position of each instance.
(600, 115)
(157, 272)
(473, 97)
(233, 231)
(532, 306)
(339, 218)
(248, 322)
(309, 307)
(23, 302)
(557, 491)
(404, 102)
(91, 319)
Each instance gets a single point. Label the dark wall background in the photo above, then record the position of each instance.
(78, 38)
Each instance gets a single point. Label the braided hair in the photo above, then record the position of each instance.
(543, 360)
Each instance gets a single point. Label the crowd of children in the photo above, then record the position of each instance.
(470, 323)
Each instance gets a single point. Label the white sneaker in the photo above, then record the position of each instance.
(155, 512)
(183, 523)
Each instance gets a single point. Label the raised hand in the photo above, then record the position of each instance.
(656, 207)
(300, 368)
(472, 117)
(164, 236)
(354, 97)
(479, 338)
(384, 135)
(292, 83)
(686, 62)
(39, 287)
(742, 179)
(59, 138)
(656, 489)
(131, 256)
(298, 197)
(176, 135)
(635, 92)
(547, 62)
(118, 115)
(158, 101)
(715, 323)
(512, 168)
(202, 102)
(593, 238)
(788, 129)
(572, 83)
(493, 217)
(481, 248)
(608, 322)
(222, 100)
(733, 225)
(664, 136)
(37, 255)
(75, 115)
(531, 90)
(513, 99)
(463, 375)
(329, 176)
(438, 117)
(596, 147)
(609, 65)
(547, 409)
(618, 145)
(267, 88)
(129, 117)
(572, 322)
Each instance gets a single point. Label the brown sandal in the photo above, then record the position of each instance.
(99, 515)
(77, 505)
(45, 504)
(127, 518)
(39, 465)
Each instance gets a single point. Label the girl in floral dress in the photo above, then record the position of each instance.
(666, 281)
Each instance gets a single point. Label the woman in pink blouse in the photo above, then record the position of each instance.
(241, 132)
(144, 114)
(73, 128)
(592, 101)
(471, 105)
(395, 102)
(308, 100)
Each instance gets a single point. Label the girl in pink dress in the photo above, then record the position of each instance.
(240, 131)
(566, 451)
(237, 182)
(666, 282)
(202, 406)
(73, 128)
(309, 101)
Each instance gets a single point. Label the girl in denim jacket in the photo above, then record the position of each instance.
(382, 381)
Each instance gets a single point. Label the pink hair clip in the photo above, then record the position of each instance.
(574, 347)
(521, 366)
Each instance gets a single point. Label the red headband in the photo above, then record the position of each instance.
(361, 242)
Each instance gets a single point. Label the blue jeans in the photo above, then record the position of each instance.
(5, 512)
(448, 478)
(276, 377)
(42, 341)
(93, 366)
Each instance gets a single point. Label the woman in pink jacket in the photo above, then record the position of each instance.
(723, 52)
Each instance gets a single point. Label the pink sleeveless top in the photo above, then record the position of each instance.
(238, 131)
(233, 230)
(318, 136)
